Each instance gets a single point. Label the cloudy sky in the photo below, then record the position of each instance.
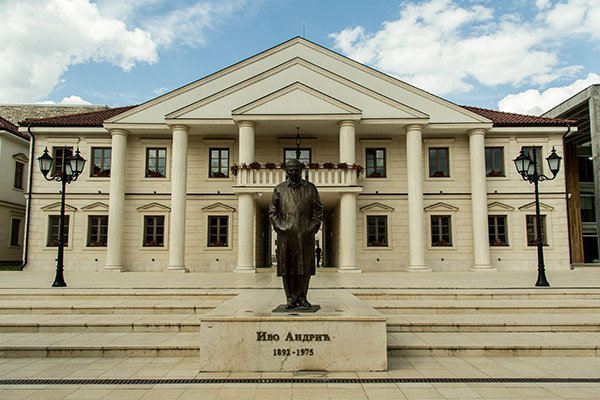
(514, 55)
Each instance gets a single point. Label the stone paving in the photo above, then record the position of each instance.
(500, 377)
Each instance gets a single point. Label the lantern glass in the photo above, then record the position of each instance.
(77, 163)
(45, 161)
(522, 163)
(554, 162)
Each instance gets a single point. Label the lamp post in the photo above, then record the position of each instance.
(71, 169)
(528, 169)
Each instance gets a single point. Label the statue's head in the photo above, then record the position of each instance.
(292, 170)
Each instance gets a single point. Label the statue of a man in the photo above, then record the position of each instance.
(296, 213)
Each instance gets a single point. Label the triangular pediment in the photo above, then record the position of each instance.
(153, 207)
(441, 207)
(246, 84)
(497, 206)
(218, 207)
(531, 207)
(376, 207)
(97, 206)
(21, 157)
(56, 207)
(297, 99)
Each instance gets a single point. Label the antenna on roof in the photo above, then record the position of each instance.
(303, 28)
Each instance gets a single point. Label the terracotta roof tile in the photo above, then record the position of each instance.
(12, 128)
(88, 119)
(500, 118)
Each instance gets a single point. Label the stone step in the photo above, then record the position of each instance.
(429, 344)
(68, 294)
(107, 306)
(539, 322)
(108, 344)
(477, 294)
(405, 344)
(485, 306)
(100, 323)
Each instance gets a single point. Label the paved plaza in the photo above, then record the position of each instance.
(408, 377)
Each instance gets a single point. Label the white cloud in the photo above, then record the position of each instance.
(41, 39)
(534, 102)
(445, 47)
(73, 99)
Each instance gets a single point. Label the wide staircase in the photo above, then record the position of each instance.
(420, 322)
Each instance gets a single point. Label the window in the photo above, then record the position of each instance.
(19, 168)
(375, 160)
(497, 230)
(154, 231)
(218, 227)
(156, 162)
(97, 230)
(440, 230)
(494, 161)
(53, 230)
(586, 169)
(14, 232)
(218, 163)
(532, 230)
(60, 153)
(290, 154)
(588, 210)
(538, 157)
(439, 162)
(100, 162)
(377, 231)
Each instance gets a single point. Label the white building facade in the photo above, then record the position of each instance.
(409, 181)
(14, 148)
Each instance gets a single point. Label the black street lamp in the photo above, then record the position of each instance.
(72, 167)
(528, 169)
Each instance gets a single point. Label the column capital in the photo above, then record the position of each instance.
(414, 127)
(246, 124)
(347, 122)
(118, 131)
(179, 127)
(477, 131)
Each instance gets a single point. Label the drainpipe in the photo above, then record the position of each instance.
(28, 215)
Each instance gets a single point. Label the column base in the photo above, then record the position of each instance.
(244, 270)
(349, 270)
(113, 268)
(483, 268)
(418, 268)
(177, 268)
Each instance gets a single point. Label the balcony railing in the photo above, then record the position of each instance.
(270, 177)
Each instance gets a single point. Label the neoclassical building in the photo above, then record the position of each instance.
(409, 181)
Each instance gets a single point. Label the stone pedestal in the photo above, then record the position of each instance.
(243, 334)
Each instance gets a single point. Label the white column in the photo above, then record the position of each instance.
(178, 199)
(246, 203)
(347, 132)
(481, 249)
(416, 214)
(347, 141)
(348, 233)
(116, 202)
(246, 136)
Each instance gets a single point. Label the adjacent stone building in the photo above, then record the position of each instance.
(409, 181)
(582, 159)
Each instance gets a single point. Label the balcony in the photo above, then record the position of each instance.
(256, 176)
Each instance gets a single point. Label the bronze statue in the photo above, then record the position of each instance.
(296, 213)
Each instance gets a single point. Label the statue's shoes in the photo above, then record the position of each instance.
(290, 304)
(304, 303)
